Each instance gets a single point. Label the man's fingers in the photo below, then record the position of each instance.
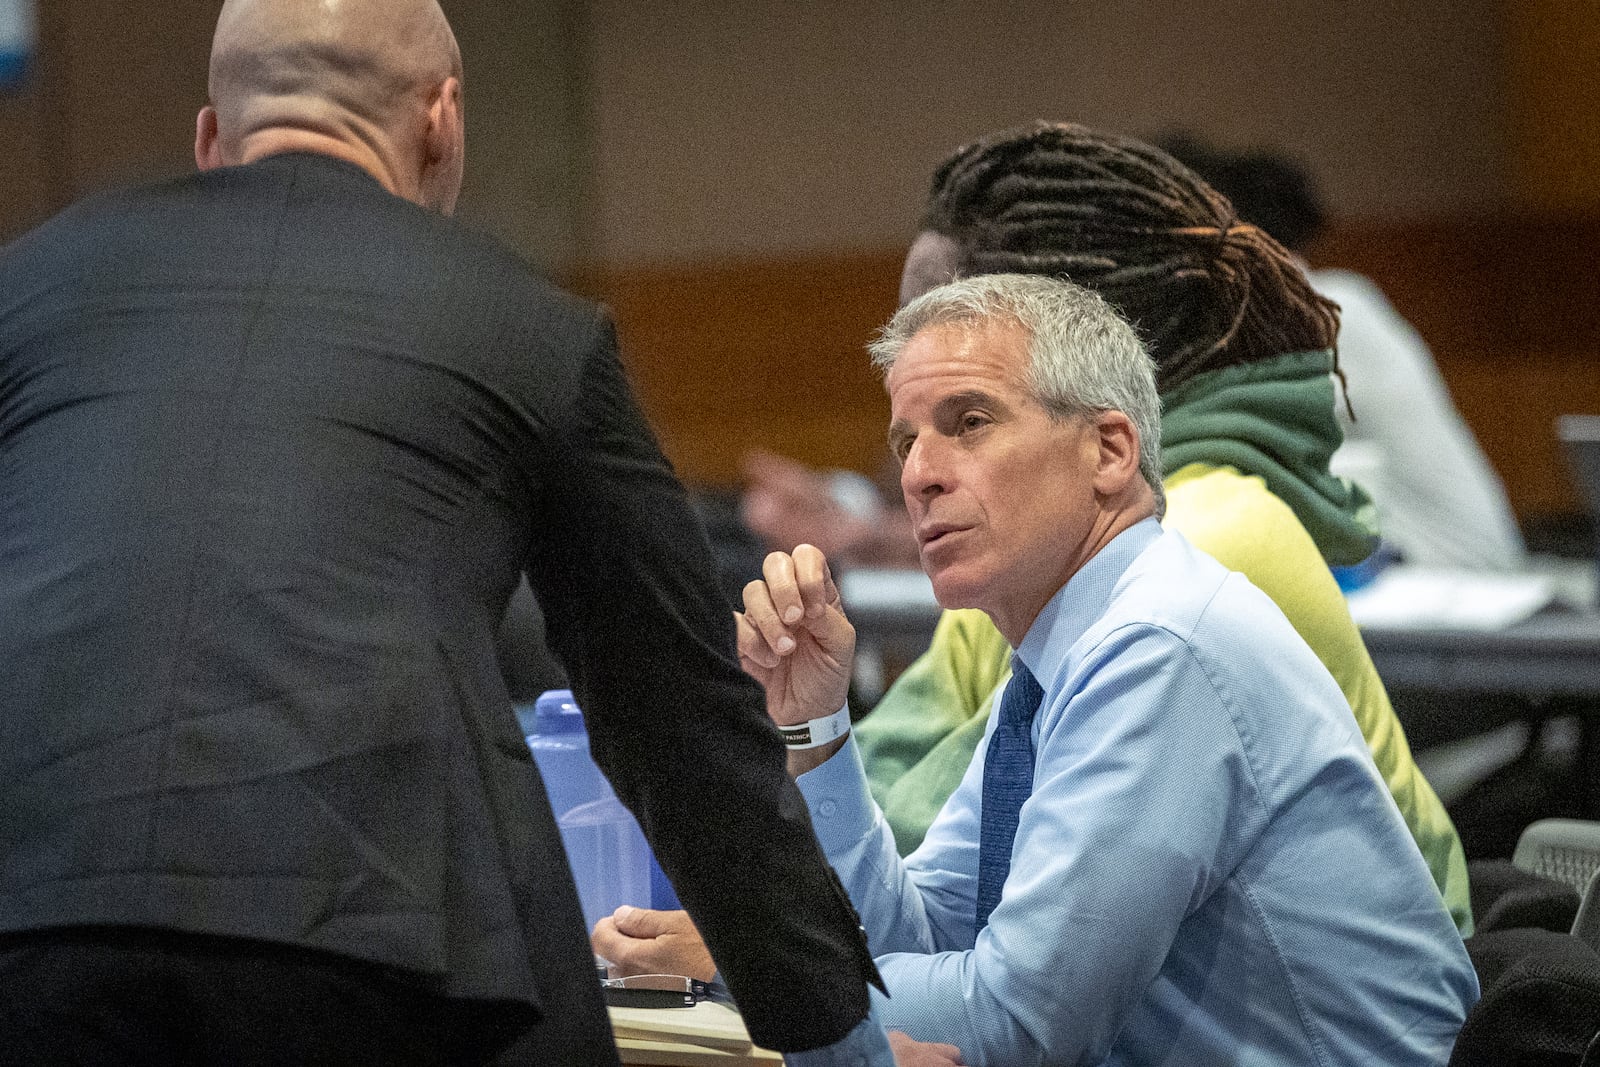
(605, 940)
(761, 608)
(753, 643)
(629, 951)
(815, 582)
(909, 1052)
(782, 587)
(642, 941)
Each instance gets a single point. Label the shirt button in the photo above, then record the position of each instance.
(826, 810)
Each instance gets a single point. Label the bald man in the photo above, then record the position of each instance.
(276, 442)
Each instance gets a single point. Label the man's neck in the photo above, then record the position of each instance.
(277, 142)
(1014, 626)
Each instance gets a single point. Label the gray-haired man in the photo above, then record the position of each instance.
(1172, 846)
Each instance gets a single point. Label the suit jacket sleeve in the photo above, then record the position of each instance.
(635, 614)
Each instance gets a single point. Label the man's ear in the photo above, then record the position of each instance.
(207, 143)
(444, 147)
(1118, 465)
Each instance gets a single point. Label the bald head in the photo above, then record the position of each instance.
(376, 82)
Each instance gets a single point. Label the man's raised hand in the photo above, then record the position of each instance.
(794, 638)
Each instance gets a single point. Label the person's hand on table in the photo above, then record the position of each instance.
(795, 640)
(643, 941)
(912, 1053)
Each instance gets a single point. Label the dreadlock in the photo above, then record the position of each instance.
(1127, 220)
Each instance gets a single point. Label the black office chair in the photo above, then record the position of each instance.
(1540, 1005)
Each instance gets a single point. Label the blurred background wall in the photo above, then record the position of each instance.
(738, 178)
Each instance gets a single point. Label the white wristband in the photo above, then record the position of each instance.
(817, 732)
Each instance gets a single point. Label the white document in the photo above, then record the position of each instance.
(1423, 598)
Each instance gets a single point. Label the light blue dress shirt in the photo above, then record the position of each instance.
(1209, 870)
(865, 1046)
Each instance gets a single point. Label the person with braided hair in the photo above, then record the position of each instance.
(1243, 348)
(1439, 499)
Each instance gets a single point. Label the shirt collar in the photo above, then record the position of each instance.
(1082, 601)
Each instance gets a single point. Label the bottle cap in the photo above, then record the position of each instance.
(556, 712)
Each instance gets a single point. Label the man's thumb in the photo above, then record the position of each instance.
(640, 922)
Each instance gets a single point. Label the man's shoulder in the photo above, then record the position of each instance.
(343, 215)
(1170, 584)
(89, 210)
(1179, 606)
(1175, 594)
(1219, 615)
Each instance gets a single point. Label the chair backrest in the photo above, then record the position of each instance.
(1567, 850)
(1580, 437)
(1586, 927)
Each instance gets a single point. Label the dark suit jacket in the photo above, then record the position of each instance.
(274, 448)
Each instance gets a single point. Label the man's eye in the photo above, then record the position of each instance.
(972, 420)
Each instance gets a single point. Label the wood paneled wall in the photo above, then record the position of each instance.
(764, 353)
(771, 353)
(1553, 65)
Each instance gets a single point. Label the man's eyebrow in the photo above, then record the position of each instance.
(967, 398)
(946, 408)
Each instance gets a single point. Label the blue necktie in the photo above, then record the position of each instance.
(1007, 781)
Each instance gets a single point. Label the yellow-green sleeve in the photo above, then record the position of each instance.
(920, 737)
(1235, 519)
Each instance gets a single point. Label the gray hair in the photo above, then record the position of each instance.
(1083, 358)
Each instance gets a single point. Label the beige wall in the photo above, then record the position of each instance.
(627, 131)
(731, 128)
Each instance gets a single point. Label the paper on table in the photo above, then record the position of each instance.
(1424, 598)
(675, 1054)
(710, 1031)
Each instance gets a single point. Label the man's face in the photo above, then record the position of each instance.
(1001, 495)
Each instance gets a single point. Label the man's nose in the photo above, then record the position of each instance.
(922, 475)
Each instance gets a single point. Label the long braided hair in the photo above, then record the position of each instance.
(1204, 289)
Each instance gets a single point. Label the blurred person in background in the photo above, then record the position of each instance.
(1440, 502)
(842, 512)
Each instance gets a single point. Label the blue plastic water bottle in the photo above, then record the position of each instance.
(606, 850)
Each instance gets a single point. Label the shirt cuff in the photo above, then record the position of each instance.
(865, 1046)
(840, 800)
